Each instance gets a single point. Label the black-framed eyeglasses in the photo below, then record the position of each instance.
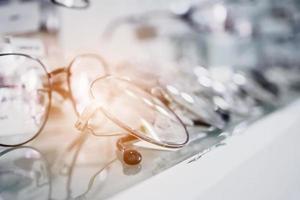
(26, 89)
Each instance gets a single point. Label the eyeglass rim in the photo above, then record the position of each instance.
(133, 131)
(85, 5)
(48, 92)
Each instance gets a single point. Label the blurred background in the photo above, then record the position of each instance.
(71, 30)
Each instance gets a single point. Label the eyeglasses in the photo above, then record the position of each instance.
(26, 90)
(75, 4)
(120, 105)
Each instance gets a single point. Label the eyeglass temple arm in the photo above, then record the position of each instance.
(88, 112)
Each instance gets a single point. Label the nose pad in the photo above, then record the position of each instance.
(132, 157)
(129, 155)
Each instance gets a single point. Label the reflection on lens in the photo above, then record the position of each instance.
(138, 112)
(83, 70)
(72, 3)
(23, 175)
(24, 98)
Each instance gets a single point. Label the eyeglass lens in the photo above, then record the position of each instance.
(24, 97)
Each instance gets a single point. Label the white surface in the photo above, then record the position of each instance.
(261, 163)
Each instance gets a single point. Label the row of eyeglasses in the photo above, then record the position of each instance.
(160, 92)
